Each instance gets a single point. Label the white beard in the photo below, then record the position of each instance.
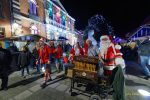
(104, 47)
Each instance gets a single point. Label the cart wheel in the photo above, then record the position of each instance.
(95, 97)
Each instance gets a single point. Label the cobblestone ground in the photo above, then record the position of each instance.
(29, 88)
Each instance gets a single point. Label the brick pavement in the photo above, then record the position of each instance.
(29, 88)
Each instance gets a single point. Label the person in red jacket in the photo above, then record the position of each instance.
(51, 51)
(44, 60)
(76, 50)
(66, 63)
(58, 54)
(85, 48)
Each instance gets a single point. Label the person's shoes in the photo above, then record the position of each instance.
(24, 76)
(147, 77)
(49, 80)
(43, 85)
(5, 89)
(79, 85)
(29, 75)
(38, 72)
(42, 75)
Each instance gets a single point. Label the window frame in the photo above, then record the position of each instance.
(33, 8)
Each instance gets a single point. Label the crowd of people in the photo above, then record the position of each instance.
(47, 53)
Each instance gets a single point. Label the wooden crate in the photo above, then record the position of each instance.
(70, 73)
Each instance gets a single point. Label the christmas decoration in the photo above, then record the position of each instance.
(100, 26)
(50, 10)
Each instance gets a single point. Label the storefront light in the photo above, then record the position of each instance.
(15, 25)
(55, 28)
(144, 92)
(60, 30)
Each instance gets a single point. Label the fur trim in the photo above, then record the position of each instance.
(119, 54)
(118, 47)
(109, 67)
(104, 36)
(120, 61)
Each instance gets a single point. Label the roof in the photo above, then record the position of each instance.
(58, 3)
(146, 23)
(142, 31)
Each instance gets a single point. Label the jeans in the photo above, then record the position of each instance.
(144, 65)
(22, 70)
(38, 68)
(67, 66)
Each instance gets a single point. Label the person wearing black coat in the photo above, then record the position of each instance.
(24, 60)
(14, 54)
(5, 59)
(36, 59)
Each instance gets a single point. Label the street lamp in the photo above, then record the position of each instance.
(15, 26)
(144, 92)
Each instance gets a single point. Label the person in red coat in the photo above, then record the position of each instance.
(44, 60)
(110, 54)
(76, 51)
(58, 54)
(51, 52)
(85, 48)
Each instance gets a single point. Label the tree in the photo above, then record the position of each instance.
(100, 26)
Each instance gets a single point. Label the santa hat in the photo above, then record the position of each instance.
(106, 36)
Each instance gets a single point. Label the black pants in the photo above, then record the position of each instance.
(4, 78)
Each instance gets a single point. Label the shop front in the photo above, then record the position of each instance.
(72, 38)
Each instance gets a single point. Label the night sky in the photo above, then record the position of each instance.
(124, 15)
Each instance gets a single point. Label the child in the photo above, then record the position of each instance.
(65, 60)
(24, 60)
(66, 64)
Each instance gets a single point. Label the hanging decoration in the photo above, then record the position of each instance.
(63, 17)
(51, 10)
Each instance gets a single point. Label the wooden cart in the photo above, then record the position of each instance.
(85, 75)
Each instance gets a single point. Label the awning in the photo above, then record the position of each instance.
(62, 38)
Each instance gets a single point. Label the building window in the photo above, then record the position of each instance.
(34, 29)
(1, 11)
(33, 7)
(2, 31)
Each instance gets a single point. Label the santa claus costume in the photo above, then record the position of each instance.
(110, 54)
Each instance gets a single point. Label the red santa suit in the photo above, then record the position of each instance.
(110, 54)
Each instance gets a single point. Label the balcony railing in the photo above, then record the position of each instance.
(52, 22)
(34, 17)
